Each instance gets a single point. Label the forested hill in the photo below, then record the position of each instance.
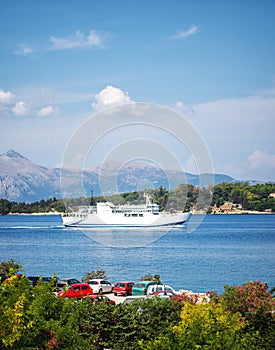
(226, 197)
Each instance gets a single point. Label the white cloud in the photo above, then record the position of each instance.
(20, 109)
(24, 49)
(234, 129)
(78, 40)
(182, 34)
(47, 111)
(109, 97)
(6, 97)
(182, 108)
(261, 159)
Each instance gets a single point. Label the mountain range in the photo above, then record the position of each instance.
(21, 180)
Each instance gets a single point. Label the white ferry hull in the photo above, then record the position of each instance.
(119, 221)
(108, 215)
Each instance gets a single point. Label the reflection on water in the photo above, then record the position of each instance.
(128, 238)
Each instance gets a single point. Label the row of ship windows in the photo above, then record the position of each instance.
(135, 215)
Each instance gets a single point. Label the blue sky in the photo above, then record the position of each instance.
(212, 61)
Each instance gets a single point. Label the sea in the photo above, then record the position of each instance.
(223, 249)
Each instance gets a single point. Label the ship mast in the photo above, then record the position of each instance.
(92, 202)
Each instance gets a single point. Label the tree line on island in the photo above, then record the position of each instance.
(242, 317)
(240, 196)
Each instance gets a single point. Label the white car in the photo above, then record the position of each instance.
(101, 286)
(158, 287)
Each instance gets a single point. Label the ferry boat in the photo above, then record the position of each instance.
(108, 215)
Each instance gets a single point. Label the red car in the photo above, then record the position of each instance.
(76, 290)
(123, 288)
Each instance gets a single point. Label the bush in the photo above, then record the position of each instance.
(253, 301)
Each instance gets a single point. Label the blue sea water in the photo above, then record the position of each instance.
(224, 249)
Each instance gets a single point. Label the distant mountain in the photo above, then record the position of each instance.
(22, 180)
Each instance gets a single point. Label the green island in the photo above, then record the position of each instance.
(239, 197)
(240, 318)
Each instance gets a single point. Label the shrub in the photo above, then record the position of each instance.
(253, 301)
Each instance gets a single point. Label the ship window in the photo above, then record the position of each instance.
(140, 214)
(134, 214)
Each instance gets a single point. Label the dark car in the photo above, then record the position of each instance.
(62, 282)
(34, 280)
(123, 288)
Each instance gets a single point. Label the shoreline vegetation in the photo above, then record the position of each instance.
(237, 212)
(34, 317)
(225, 198)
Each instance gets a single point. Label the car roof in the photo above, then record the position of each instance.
(98, 279)
(79, 284)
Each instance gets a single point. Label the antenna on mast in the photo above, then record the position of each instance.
(92, 202)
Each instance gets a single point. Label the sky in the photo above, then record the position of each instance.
(212, 62)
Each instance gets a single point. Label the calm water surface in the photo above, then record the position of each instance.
(225, 249)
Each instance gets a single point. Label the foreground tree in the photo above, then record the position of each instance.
(98, 274)
(149, 277)
(9, 267)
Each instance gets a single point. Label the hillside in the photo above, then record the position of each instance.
(22, 180)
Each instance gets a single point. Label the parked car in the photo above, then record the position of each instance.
(158, 287)
(101, 286)
(76, 290)
(142, 287)
(123, 288)
(95, 298)
(34, 280)
(62, 282)
(166, 294)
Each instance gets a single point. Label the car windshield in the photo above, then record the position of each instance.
(139, 285)
(120, 285)
(93, 282)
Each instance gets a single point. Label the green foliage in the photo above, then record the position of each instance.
(124, 325)
(101, 274)
(253, 301)
(255, 197)
(10, 267)
(210, 327)
(34, 318)
(183, 198)
(5, 206)
(43, 206)
(149, 277)
(160, 197)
